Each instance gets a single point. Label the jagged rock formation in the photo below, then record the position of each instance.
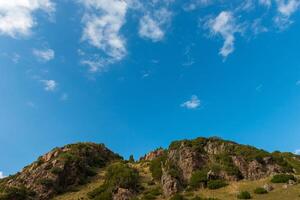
(221, 159)
(172, 170)
(61, 169)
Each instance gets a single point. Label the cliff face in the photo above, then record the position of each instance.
(220, 159)
(61, 170)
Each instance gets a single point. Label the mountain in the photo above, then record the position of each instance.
(205, 166)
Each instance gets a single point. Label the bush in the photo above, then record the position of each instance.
(56, 170)
(198, 178)
(244, 195)
(216, 184)
(177, 197)
(16, 193)
(260, 190)
(152, 194)
(282, 178)
(117, 175)
(155, 167)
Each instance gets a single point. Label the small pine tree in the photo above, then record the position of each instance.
(131, 159)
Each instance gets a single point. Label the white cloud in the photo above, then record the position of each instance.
(1, 175)
(225, 26)
(152, 25)
(297, 151)
(45, 54)
(49, 85)
(103, 21)
(16, 16)
(285, 9)
(193, 103)
(266, 3)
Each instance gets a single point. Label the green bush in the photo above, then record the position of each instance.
(156, 168)
(47, 182)
(244, 195)
(177, 197)
(282, 178)
(260, 190)
(56, 170)
(198, 178)
(117, 175)
(16, 193)
(216, 184)
(152, 194)
(196, 198)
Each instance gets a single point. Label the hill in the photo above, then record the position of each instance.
(188, 169)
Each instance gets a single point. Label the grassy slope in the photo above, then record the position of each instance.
(227, 193)
(81, 193)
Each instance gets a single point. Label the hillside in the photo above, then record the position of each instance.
(188, 169)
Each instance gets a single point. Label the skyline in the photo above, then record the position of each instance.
(137, 75)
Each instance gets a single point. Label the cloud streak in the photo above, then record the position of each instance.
(44, 54)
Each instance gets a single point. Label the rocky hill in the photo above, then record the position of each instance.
(91, 171)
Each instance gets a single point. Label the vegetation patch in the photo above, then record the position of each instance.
(118, 175)
(244, 195)
(216, 184)
(282, 178)
(260, 190)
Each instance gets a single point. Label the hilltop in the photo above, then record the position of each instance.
(187, 169)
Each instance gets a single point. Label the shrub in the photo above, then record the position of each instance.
(216, 184)
(282, 178)
(155, 167)
(260, 190)
(152, 194)
(56, 170)
(177, 197)
(46, 182)
(16, 193)
(117, 175)
(196, 198)
(198, 178)
(244, 195)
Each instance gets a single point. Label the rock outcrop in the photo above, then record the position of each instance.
(61, 169)
(231, 161)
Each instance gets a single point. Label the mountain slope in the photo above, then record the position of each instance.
(187, 167)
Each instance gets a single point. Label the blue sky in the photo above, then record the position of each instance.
(137, 74)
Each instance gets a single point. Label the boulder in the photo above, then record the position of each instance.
(268, 187)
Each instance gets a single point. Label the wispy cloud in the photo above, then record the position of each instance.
(1, 175)
(152, 25)
(297, 151)
(44, 54)
(224, 25)
(103, 21)
(16, 16)
(193, 103)
(49, 85)
(285, 9)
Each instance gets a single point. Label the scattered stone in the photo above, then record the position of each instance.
(291, 182)
(268, 187)
(285, 186)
